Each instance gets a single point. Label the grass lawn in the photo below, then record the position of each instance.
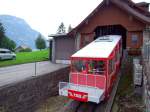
(27, 57)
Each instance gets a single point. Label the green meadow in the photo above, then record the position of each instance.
(27, 57)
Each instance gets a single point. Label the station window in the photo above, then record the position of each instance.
(134, 39)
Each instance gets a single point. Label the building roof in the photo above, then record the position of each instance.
(127, 5)
(134, 10)
(23, 47)
(100, 48)
(142, 4)
(58, 35)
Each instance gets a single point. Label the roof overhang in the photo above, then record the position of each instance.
(58, 35)
(121, 4)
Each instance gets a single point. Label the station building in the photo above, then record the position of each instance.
(110, 17)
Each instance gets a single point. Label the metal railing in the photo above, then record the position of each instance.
(65, 86)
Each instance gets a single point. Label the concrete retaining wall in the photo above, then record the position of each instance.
(25, 96)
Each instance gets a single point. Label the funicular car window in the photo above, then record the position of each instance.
(111, 66)
(97, 67)
(120, 47)
(118, 55)
(78, 65)
(89, 67)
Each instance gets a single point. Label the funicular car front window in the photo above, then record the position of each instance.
(98, 67)
(89, 67)
(78, 65)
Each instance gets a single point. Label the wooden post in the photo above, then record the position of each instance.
(35, 69)
(107, 2)
(50, 49)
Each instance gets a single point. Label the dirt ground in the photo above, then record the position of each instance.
(128, 98)
(131, 103)
(53, 104)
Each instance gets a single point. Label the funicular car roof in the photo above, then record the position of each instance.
(102, 47)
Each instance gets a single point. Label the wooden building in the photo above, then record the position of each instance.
(118, 17)
(63, 47)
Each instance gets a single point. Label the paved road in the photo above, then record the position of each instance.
(20, 72)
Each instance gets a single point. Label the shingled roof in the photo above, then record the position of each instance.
(127, 5)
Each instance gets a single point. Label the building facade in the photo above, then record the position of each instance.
(63, 47)
(119, 17)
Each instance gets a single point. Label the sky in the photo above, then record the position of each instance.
(46, 15)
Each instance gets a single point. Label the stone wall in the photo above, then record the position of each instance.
(25, 96)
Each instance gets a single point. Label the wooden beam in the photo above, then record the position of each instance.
(107, 2)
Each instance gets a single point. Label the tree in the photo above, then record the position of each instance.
(69, 28)
(2, 33)
(61, 29)
(40, 42)
(7, 43)
(12, 45)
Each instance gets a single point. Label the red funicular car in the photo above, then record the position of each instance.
(94, 69)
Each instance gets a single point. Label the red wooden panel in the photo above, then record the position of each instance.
(73, 78)
(90, 80)
(100, 82)
(82, 79)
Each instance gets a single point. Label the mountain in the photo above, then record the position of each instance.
(18, 30)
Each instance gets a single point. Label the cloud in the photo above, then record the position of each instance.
(46, 15)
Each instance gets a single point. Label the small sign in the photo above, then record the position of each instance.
(79, 96)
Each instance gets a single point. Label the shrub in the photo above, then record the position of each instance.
(26, 50)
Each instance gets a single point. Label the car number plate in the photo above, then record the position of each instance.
(79, 96)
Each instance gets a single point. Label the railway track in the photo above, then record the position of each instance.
(85, 107)
(104, 106)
